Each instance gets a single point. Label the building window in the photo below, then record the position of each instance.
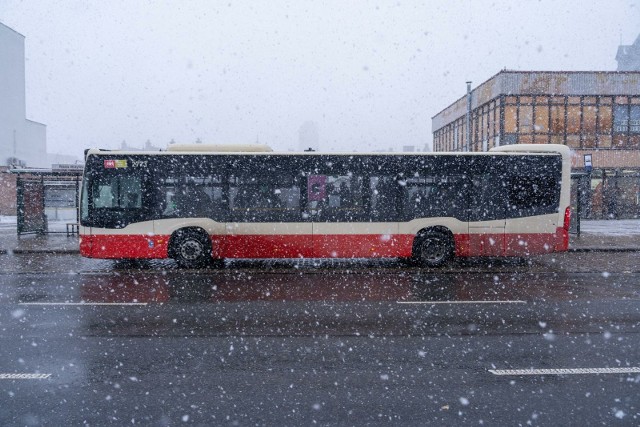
(589, 118)
(490, 123)
(475, 123)
(525, 139)
(541, 139)
(589, 140)
(557, 139)
(604, 141)
(573, 119)
(510, 119)
(634, 126)
(604, 120)
(542, 119)
(573, 141)
(620, 124)
(589, 126)
(482, 126)
(557, 121)
(455, 136)
(526, 119)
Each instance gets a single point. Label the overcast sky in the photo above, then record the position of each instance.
(370, 74)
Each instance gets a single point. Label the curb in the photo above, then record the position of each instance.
(19, 251)
(41, 251)
(613, 250)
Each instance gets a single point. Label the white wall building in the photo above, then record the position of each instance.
(21, 140)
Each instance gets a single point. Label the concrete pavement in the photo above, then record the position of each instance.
(596, 236)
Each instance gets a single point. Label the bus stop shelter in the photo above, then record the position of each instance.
(46, 197)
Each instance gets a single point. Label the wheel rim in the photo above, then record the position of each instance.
(191, 250)
(433, 250)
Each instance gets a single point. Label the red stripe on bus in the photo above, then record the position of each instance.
(325, 246)
(115, 246)
(362, 246)
(267, 246)
(529, 244)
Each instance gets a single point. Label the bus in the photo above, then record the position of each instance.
(202, 204)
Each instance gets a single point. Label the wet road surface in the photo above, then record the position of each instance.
(346, 344)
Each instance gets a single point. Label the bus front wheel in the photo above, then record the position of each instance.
(433, 249)
(191, 248)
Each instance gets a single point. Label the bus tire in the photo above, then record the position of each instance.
(433, 248)
(191, 248)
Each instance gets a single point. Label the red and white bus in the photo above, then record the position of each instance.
(214, 204)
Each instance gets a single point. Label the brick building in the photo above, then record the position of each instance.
(596, 113)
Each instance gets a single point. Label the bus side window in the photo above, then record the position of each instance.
(488, 198)
(337, 198)
(265, 199)
(385, 198)
(132, 200)
(184, 196)
(532, 195)
(192, 201)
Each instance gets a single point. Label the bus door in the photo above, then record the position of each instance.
(267, 218)
(343, 227)
(487, 210)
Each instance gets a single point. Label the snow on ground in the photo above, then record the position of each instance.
(619, 227)
(9, 223)
(7, 219)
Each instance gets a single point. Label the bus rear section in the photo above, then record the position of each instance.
(197, 207)
(539, 203)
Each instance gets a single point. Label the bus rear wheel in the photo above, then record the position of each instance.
(433, 249)
(191, 248)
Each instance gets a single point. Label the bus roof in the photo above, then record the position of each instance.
(219, 148)
(530, 149)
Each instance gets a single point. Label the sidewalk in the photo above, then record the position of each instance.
(596, 236)
(607, 236)
(54, 243)
(31, 243)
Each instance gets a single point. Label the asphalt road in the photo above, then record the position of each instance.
(102, 343)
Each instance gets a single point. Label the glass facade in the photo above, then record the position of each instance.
(580, 122)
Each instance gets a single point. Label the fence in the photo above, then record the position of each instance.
(608, 194)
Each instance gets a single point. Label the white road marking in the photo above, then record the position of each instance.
(462, 302)
(83, 303)
(24, 376)
(573, 371)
